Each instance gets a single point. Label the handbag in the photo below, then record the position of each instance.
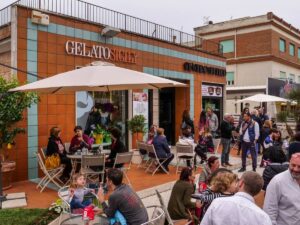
(52, 162)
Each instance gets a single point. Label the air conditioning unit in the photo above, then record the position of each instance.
(39, 18)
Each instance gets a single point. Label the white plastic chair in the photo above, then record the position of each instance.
(145, 157)
(67, 146)
(51, 175)
(124, 158)
(217, 142)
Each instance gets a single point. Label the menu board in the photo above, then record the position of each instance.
(140, 104)
(212, 91)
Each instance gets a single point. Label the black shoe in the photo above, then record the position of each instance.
(242, 170)
(254, 169)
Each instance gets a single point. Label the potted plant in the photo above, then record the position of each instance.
(107, 137)
(98, 134)
(12, 105)
(137, 126)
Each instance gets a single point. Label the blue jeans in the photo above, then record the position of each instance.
(226, 150)
(248, 146)
(77, 204)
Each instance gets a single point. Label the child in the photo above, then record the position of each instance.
(205, 139)
(77, 192)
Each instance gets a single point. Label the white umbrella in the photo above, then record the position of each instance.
(103, 77)
(263, 98)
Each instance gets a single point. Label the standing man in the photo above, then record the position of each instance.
(249, 132)
(213, 121)
(282, 201)
(239, 209)
(123, 199)
(226, 135)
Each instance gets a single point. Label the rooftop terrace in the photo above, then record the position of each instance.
(81, 10)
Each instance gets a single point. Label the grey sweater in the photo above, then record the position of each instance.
(128, 203)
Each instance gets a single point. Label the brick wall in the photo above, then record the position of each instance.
(5, 59)
(59, 109)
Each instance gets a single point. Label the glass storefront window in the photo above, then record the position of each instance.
(106, 109)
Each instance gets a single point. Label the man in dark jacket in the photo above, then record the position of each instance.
(123, 199)
(226, 134)
(278, 164)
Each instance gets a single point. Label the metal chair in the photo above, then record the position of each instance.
(43, 153)
(158, 216)
(89, 161)
(167, 215)
(158, 162)
(63, 194)
(67, 146)
(184, 153)
(144, 157)
(51, 175)
(125, 159)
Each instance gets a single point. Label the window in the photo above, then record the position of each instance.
(230, 78)
(292, 49)
(228, 46)
(282, 45)
(298, 53)
(282, 75)
(292, 77)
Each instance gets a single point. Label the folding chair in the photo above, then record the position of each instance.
(67, 146)
(158, 215)
(51, 175)
(216, 142)
(63, 194)
(125, 159)
(144, 157)
(155, 160)
(168, 217)
(43, 153)
(88, 161)
(184, 153)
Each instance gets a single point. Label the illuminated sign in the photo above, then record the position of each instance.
(100, 52)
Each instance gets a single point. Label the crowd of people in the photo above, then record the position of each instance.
(219, 195)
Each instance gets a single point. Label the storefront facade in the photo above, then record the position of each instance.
(66, 44)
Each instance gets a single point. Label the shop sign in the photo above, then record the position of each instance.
(212, 91)
(140, 104)
(100, 52)
(203, 69)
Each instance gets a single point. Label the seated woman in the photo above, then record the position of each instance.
(56, 146)
(162, 148)
(151, 135)
(187, 139)
(80, 140)
(224, 184)
(117, 146)
(180, 201)
(212, 165)
(278, 163)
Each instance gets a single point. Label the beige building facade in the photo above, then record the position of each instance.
(256, 48)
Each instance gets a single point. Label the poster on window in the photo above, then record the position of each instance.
(211, 91)
(140, 104)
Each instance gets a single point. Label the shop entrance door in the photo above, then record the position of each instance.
(167, 113)
(215, 104)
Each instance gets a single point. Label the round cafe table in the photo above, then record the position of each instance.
(77, 220)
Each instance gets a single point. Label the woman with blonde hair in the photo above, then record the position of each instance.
(223, 184)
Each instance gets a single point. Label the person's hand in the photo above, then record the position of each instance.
(80, 139)
(72, 192)
(101, 195)
(93, 191)
(198, 204)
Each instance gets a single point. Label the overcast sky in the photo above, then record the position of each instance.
(186, 14)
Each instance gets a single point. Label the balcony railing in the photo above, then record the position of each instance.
(89, 12)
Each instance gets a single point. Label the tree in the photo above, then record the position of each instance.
(12, 105)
